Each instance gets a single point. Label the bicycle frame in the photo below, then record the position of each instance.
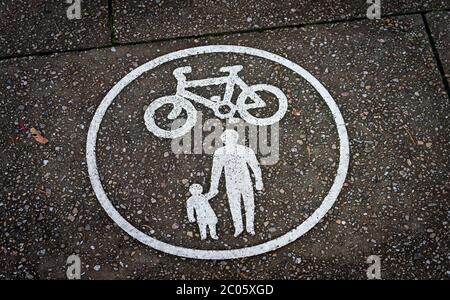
(223, 107)
(215, 102)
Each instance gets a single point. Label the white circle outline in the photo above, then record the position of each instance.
(294, 234)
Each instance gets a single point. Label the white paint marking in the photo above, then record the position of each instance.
(180, 101)
(199, 210)
(234, 161)
(281, 241)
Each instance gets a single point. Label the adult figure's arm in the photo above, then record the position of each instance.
(190, 211)
(254, 166)
(216, 172)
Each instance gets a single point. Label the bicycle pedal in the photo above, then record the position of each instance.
(234, 120)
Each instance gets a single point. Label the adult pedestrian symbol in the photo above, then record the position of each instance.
(223, 202)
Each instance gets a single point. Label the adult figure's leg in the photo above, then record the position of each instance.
(249, 207)
(234, 199)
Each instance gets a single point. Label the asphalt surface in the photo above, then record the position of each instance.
(43, 27)
(384, 75)
(439, 24)
(166, 19)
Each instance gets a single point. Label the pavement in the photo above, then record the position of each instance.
(439, 24)
(388, 77)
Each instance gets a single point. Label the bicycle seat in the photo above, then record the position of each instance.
(231, 69)
(181, 71)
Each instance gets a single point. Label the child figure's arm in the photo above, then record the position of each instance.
(190, 211)
(210, 195)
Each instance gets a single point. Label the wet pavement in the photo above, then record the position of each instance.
(382, 74)
(439, 26)
(43, 26)
(165, 19)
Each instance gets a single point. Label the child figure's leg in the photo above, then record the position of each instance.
(202, 228)
(212, 231)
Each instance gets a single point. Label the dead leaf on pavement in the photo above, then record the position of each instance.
(296, 111)
(38, 136)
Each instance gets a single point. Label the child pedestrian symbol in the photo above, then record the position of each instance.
(198, 209)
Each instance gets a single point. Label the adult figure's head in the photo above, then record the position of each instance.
(230, 137)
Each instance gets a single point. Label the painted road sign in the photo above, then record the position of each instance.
(237, 162)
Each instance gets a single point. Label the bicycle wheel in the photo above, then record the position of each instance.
(249, 118)
(178, 104)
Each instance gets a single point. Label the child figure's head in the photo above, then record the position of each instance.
(195, 189)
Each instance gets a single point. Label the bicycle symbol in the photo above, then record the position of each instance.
(223, 108)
